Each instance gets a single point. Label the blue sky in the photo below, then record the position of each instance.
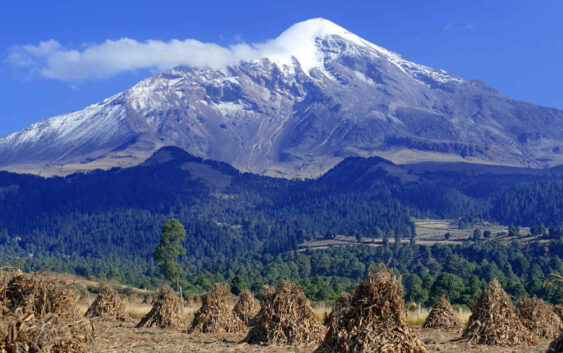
(514, 46)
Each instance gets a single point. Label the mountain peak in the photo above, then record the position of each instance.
(316, 27)
(338, 95)
(300, 42)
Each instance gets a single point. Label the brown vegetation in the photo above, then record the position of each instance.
(40, 315)
(494, 321)
(556, 346)
(539, 317)
(442, 316)
(107, 306)
(375, 321)
(215, 314)
(341, 305)
(285, 318)
(194, 301)
(246, 307)
(559, 311)
(148, 299)
(165, 312)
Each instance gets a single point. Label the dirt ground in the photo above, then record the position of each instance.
(122, 338)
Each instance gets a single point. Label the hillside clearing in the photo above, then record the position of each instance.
(429, 232)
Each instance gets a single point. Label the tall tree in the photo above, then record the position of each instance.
(167, 252)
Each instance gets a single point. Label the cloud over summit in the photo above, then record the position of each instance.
(52, 60)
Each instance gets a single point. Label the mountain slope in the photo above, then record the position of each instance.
(326, 94)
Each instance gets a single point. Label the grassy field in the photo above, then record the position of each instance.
(429, 232)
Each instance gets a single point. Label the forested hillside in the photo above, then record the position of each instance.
(245, 228)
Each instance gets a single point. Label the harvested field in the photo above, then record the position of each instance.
(216, 314)
(442, 315)
(539, 317)
(375, 320)
(124, 338)
(494, 321)
(285, 318)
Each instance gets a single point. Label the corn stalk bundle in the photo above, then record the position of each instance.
(285, 318)
(341, 306)
(494, 321)
(107, 306)
(559, 311)
(539, 317)
(35, 294)
(40, 315)
(215, 314)
(375, 320)
(165, 311)
(442, 315)
(265, 295)
(246, 307)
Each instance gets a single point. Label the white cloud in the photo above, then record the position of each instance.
(52, 60)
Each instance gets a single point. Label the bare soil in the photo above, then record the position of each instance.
(125, 338)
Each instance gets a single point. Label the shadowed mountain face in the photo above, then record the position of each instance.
(297, 114)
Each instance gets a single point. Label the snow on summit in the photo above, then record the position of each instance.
(290, 106)
(301, 41)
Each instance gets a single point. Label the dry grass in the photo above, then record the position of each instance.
(138, 310)
(418, 316)
(322, 310)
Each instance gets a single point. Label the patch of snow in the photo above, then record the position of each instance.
(229, 109)
(360, 76)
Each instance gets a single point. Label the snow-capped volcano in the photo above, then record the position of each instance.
(295, 106)
(301, 42)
